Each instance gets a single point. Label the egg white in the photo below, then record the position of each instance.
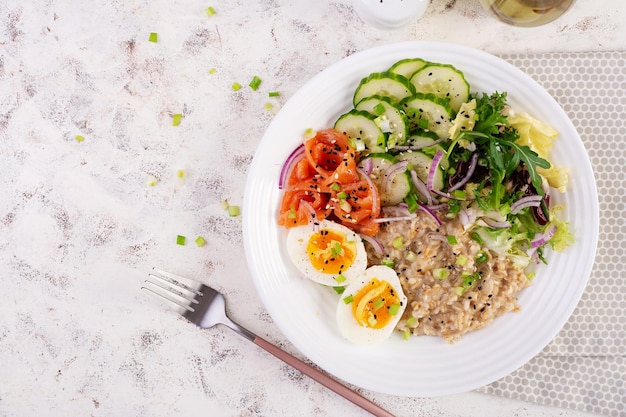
(347, 323)
(297, 241)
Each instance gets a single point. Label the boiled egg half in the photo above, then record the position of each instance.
(330, 254)
(371, 306)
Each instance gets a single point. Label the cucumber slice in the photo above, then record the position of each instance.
(444, 81)
(408, 66)
(400, 185)
(387, 84)
(420, 163)
(360, 125)
(428, 112)
(389, 117)
(426, 141)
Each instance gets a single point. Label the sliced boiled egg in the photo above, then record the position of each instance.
(330, 254)
(371, 306)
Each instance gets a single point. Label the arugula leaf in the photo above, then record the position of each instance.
(531, 161)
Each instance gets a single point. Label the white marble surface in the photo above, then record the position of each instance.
(80, 228)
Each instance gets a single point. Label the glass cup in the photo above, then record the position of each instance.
(527, 12)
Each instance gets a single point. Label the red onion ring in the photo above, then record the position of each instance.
(544, 237)
(421, 187)
(375, 198)
(527, 201)
(391, 172)
(495, 224)
(311, 215)
(290, 162)
(430, 213)
(378, 247)
(433, 169)
(468, 175)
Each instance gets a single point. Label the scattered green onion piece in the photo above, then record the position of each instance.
(339, 290)
(309, 133)
(394, 309)
(459, 194)
(379, 109)
(200, 241)
(410, 256)
(292, 213)
(180, 173)
(345, 206)
(481, 257)
(451, 239)
(476, 237)
(180, 240)
(236, 86)
(407, 334)
(459, 290)
(176, 118)
(340, 279)
(224, 204)
(441, 273)
(348, 299)
(342, 195)
(213, 70)
(397, 242)
(154, 37)
(80, 138)
(233, 211)
(210, 11)
(371, 321)
(273, 94)
(411, 321)
(335, 187)
(151, 181)
(530, 275)
(336, 249)
(461, 260)
(255, 83)
(378, 303)
(388, 262)
(269, 106)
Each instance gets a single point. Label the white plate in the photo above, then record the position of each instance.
(423, 366)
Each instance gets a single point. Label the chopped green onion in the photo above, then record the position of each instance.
(200, 241)
(154, 37)
(530, 275)
(336, 249)
(441, 273)
(348, 299)
(476, 237)
(339, 290)
(410, 256)
(80, 138)
(407, 334)
(335, 187)
(379, 109)
(459, 194)
(378, 303)
(180, 173)
(233, 211)
(210, 11)
(151, 181)
(459, 290)
(269, 106)
(461, 260)
(345, 206)
(340, 279)
(388, 262)
(451, 239)
(411, 321)
(292, 213)
(481, 257)
(176, 118)
(309, 133)
(255, 83)
(342, 195)
(394, 309)
(213, 70)
(371, 320)
(273, 94)
(236, 86)
(397, 242)
(180, 240)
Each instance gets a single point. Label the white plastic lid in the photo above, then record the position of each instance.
(390, 14)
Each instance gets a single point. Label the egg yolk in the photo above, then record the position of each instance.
(375, 304)
(330, 252)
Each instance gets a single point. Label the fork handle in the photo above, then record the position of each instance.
(322, 378)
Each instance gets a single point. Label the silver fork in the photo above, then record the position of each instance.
(206, 307)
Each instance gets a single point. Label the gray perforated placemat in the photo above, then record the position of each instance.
(584, 367)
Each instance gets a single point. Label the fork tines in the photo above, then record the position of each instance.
(179, 291)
